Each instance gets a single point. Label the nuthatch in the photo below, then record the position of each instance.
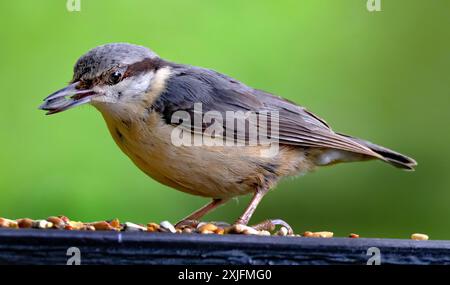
(139, 94)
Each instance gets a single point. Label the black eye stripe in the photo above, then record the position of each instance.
(115, 76)
(147, 64)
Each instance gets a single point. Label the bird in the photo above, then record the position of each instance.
(144, 100)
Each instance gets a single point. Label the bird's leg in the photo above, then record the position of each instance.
(268, 225)
(192, 219)
(257, 197)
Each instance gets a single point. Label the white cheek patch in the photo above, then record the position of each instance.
(127, 90)
(131, 94)
(106, 96)
(130, 89)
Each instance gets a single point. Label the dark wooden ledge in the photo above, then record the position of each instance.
(50, 247)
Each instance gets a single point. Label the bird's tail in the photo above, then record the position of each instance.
(392, 157)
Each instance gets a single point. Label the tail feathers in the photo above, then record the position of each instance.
(392, 157)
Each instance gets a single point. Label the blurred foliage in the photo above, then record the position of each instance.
(383, 76)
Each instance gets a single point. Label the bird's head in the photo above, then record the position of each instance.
(107, 75)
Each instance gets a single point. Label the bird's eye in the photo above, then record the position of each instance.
(115, 77)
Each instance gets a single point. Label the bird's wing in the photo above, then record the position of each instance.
(220, 93)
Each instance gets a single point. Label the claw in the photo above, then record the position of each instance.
(270, 225)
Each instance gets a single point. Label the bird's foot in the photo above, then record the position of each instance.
(194, 224)
(187, 224)
(270, 225)
(267, 226)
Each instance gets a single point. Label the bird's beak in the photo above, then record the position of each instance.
(67, 98)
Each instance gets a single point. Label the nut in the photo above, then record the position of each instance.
(234, 229)
(101, 226)
(418, 236)
(41, 224)
(207, 228)
(352, 235)
(282, 232)
(7, 223)
(241, 229)
(130, 227)
(57, 222)
(115, 224)
(152, 227)
(199, 225)
(25, 223)
(72, 225)
(187, 230)
(167, 227)
(64, 219)
(264, 233)
(250, 231)
(323, 234)
(318, 234)
(87, 228)
(219, 231)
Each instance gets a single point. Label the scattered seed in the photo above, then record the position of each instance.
(64, 219)
(72, 225)
(87, 228)
(25, 223)
(167, 226)
(241, 229)
(234, 229)
(199, 225)
(41, 224)
(282, 232)
(250, 231)
(7, 223)
(323, 234)
(187, 230)
(318, 234)
(57, 222)
(101, 226)
(130, 227)
(418, 236)
(115, 224)
(207, 228)
(219, 231)
(182, 227)
(152, 227)
(220, 228)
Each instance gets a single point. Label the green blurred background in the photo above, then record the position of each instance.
(383, 76)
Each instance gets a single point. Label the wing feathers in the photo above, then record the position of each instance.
(297, 126)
